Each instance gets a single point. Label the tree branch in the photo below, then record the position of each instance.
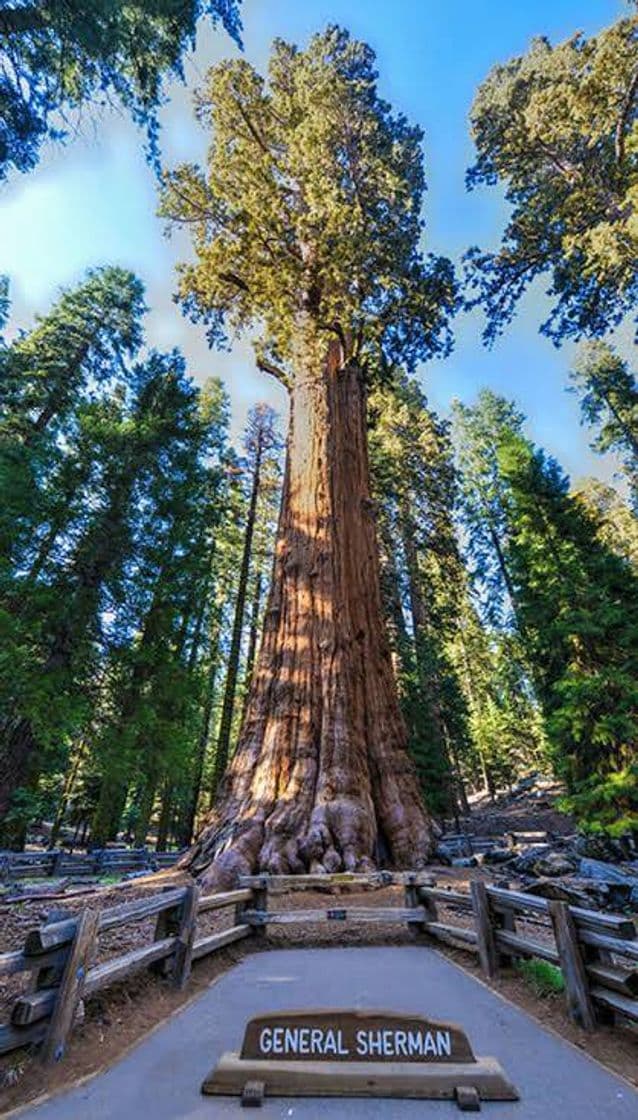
(268, 367)
(619, 141)
(233, 278)
(17, 21)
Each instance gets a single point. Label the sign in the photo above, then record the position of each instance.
(353, 1036)
(352, 1053)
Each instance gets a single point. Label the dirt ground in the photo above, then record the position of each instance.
(532, 810)
(120, 1016)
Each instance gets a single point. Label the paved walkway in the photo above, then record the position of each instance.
(160, 1079)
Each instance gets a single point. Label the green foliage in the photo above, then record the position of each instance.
(414, 487)
(307, 220)
(58, 55)
(609, 401)
(559, 128)
(617, 524)
(545, 978)
(607, 803)
(483, 498)
(114, 476)
(579, 605)
(575, 607)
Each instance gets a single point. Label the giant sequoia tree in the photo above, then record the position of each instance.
(306, 226)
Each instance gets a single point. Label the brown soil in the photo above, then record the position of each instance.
(122, 1015)
(533, 810)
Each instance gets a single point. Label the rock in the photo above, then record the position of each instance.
(602, 848)
(523, 864)
(55, 914)
(607, 872)
(497, 855)
(444, 853)
(588, 894)
(555, 864)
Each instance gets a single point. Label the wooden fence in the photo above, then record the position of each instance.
(597, 952)
(102, 861)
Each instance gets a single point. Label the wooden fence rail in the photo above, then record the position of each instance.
(597, 952)
(58, 863)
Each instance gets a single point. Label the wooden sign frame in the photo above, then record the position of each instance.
(327, 1053)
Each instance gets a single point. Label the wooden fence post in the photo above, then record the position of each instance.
(260, 902)
(69, 993)
(484, 928)
(505, 920)
(412, 901)
(183, 955)
(429, 905)
(579, 1002)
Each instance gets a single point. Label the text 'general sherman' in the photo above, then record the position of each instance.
(354, 1036)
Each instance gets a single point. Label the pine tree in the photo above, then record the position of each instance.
(558, 128)
(414, 486)
(579, 602)
(609, 402)
(55, 57)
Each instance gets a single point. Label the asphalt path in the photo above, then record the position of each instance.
(160, 1078)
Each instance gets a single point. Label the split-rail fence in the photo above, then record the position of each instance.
(597, 952)
(58, 863)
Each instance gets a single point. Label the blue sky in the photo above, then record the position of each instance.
(93, 202)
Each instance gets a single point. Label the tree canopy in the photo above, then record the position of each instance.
(609, 404)
(558, 127)
(58, 55)
(308, 215)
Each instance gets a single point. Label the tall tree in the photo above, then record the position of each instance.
(414, 486)
(306, 226)
(147, 733)
(609, 401)
(260, 440)
(68, 609)
(559, 128)
(579, 602)
(58, 55)
(58, 444)
(478, 432)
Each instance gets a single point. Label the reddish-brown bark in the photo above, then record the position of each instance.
(320, 779)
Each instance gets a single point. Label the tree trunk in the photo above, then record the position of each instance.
(321, 779)
(165, 817)
(145, 808)
(253, 636)
(69, 785)
(230, 688)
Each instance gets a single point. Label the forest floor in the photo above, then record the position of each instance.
(533, 809)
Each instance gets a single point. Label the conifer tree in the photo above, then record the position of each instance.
(260, 441)
(306, 226)
(58, 55)
(579, 602)
(558, 127)
(414, 486)
(609, 402)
